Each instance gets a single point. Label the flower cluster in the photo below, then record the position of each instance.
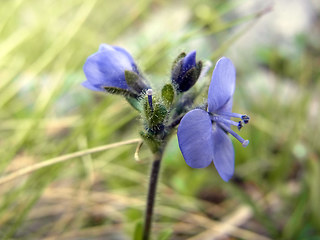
(202, 132)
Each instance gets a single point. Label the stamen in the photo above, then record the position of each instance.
(149, 93)
(216, 118)
(230, 114)
(229, 130)
(243, 117)
(240, 125)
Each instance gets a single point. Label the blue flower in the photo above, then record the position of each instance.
(106, 68)
(186, 72)
(203, 135)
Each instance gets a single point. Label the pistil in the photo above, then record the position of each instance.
(149, 93)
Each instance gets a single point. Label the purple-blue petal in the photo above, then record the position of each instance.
(105, 47)
(222, 84)
(88, 85)
(227, 107)
(189, 61)
(128, 55)
(106, 68)
(223, 154)
(195, 138)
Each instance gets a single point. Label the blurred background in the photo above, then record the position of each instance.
(46, 113)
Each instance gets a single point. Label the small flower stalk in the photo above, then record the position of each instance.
(203, 128)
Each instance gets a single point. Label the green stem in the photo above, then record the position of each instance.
(154, 176)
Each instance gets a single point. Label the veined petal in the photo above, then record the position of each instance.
(88, 85)
(106, 68)
(222, 84)
(195, 138)
(223, 154)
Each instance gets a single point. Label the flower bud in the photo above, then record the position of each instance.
(113, 69)
(185, 71)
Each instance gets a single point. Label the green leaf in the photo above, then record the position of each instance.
(138, 231)
(295, 221)
(167, 94)
(165, 235)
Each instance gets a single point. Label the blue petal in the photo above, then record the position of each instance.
(128, 55)
(223, 154)
(195, 138)
(227, 107)
(189, 61)
(106, 68)
(222, 84)
(88, 85)
(105, 47)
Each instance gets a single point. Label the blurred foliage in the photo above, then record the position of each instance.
(44, 112)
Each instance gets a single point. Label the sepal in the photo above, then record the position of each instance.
(188, 80)
(177, 60)
(135, 103)
(176, 72)
(121, 91)
(167, 93)
(199, 67)
(135, 82)
(177, 67)
(156, 116)
(153, 143)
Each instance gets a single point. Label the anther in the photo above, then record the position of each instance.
(245, 118)
(240, 125)
(149, 93)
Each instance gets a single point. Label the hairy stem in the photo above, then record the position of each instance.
(151, 194)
